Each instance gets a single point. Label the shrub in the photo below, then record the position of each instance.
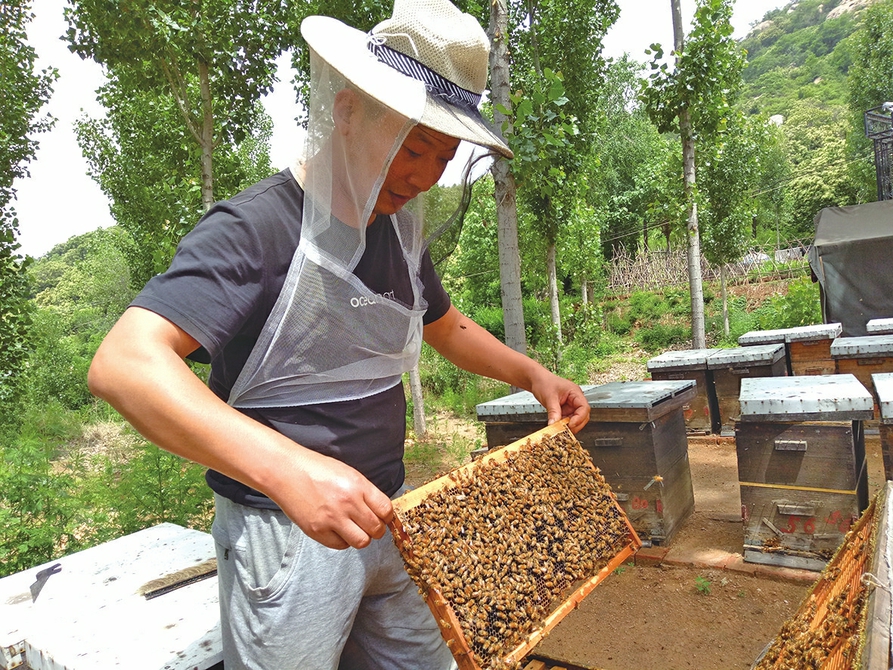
(661, 337)
(491, 319)
(37, 503)
(799, 307)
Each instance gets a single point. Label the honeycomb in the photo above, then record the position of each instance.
(506, 546)
(827, 630)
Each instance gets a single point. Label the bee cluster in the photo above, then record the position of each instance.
(826, 631)
(505, 542)
(801, 645)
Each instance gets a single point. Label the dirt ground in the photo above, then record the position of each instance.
(668, 617)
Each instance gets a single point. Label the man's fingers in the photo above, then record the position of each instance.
(379, 504)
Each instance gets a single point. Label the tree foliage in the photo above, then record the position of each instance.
(871, 74)
(815, 137)
(706, 76)
(23, 92)
(214, 58)
(81, 287)
(696, 99)
(729, 173)
(627, 165)
(145, 162)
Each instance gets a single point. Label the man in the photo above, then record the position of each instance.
(311, 293)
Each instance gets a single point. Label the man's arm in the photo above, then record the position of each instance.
(140, 370)
(466, 344)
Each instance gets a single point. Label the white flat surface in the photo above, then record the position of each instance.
(866, 346)
(825, 395)
(880, 327)
(89, 616)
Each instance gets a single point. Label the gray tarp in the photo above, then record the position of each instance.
(852, 257)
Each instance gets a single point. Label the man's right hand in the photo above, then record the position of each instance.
(332, 502)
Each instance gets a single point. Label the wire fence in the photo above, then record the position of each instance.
(651, 270)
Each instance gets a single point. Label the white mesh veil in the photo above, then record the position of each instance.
(329, 337)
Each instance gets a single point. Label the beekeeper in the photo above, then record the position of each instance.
(310, 293)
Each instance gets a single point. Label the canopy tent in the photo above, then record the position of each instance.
(852, 257)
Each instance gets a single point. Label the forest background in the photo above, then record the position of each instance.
(602, 216)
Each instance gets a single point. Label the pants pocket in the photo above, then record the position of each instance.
(261, 548)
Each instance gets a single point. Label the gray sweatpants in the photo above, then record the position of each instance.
(287, 601)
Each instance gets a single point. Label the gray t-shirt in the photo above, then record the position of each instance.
(222, 285)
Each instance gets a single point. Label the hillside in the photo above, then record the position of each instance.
(800, 51)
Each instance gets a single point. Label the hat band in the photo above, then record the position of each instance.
(435, 84)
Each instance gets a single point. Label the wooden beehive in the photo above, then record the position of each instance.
(863, 357)
(844, 622)
(730, 366)
(636, 437)
(809, 348)
(801, 466)
(701, 413)
(143, 601)
(505, 547)
(764, 337)
(883, 386)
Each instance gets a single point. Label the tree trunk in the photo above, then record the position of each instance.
(207, 140)
(698, 335)
(504, 185)
(553, 290)
(584, 289)
(725, 300)
(418, 402)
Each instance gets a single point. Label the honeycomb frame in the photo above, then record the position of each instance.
(504, 547)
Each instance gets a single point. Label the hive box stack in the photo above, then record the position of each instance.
(863, 357)
(801, 466)
(879, 327)
(701, 413)
(883, 386)
(730, 366)
(636, 437)
(809, 348)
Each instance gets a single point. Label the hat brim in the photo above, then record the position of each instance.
(344, 48)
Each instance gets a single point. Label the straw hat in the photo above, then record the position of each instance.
(427, 62)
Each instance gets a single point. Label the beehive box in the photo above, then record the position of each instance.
(801, 466)
(844, 623)
(730, 366)
(809, 348)
(144, 601)
(883, 386)
(636, 437)
(506, 546)
(863, 357)
(701, 413)
(879, 327)
(764, 337)
(514, 417)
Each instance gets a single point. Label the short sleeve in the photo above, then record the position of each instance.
(228, 271)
